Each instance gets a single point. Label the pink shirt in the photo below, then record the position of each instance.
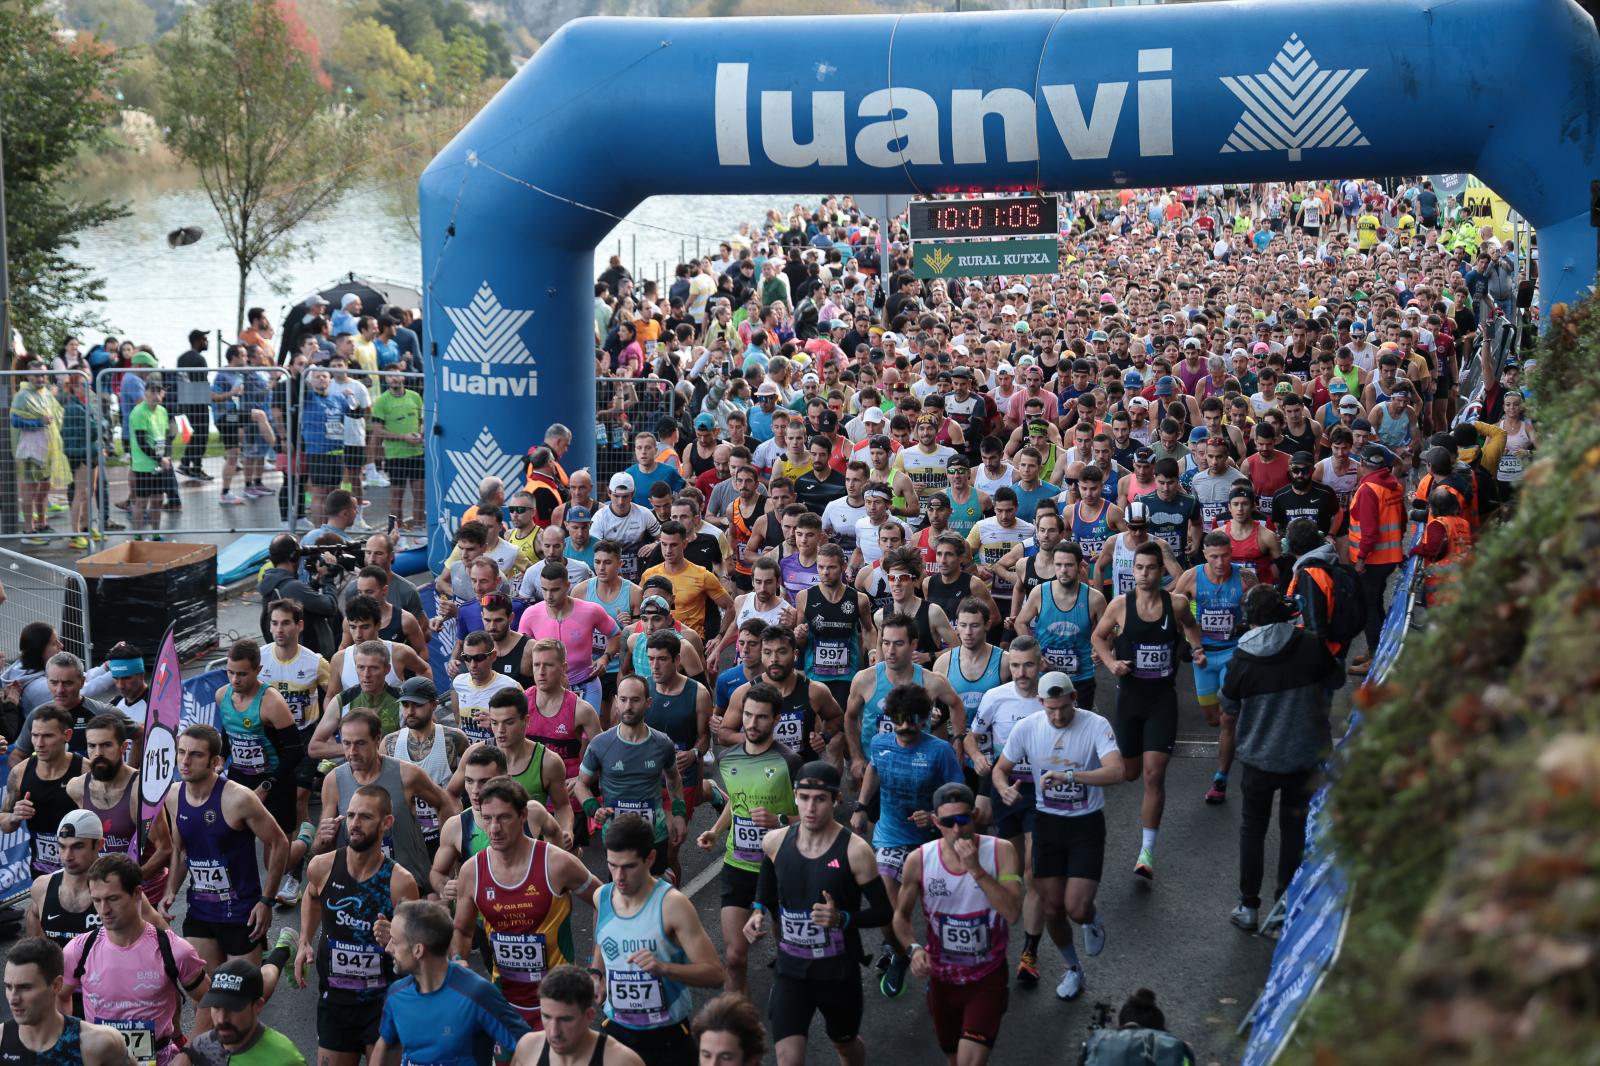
(128, 989)
(1019, 399)
(587, 626)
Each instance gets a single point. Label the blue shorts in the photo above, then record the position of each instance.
(1208, 678)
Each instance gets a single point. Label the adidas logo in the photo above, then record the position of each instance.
(1294, 105)
(833, 864)
(617, 765)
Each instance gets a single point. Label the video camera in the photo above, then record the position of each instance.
(348, 556)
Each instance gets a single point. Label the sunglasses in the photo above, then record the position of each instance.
(476, 658)
(519, 510)
(953, 820)
(1299, 470)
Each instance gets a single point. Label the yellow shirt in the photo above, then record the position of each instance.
(1367, 231)
(527, 553)
(792, 471)
(691, 587)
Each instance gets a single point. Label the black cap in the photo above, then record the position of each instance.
(819, 774)
(1239, 491)
(953, 792)
(1302, 459)
(827, 422)
(418, 690)
(235, 985)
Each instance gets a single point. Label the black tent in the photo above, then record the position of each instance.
(376, 294)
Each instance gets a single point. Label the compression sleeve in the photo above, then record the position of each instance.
(291, 749)
(767, 885)
(878, 910)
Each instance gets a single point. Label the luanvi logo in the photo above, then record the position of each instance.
(1294, 105)
(484, 459)
(489, 335)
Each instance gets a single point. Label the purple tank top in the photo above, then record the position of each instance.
(117, 820)
(797, 578)
(224, 880)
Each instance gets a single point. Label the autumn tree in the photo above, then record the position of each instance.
(250, 106)
(371, 61)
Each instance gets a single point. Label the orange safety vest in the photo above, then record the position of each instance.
(1468, 508)
(1324, 582)
(1443, 572)
(1391, 525)
(542, 483)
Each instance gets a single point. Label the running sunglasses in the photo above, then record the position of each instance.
(476, 658)
(953, 820)
(519, 510)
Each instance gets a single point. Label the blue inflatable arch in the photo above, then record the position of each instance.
(1194, 93)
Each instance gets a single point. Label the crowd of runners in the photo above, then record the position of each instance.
(903, 584)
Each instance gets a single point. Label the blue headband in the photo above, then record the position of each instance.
(127, 667)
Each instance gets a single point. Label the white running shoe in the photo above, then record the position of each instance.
(1094, 937)
(228, 499)
(1071, 983)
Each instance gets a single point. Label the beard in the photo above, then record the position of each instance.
(362, 843)
(103, 769)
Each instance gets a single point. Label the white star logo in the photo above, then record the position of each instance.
(484, 459)
(1294, 105)
(487, 333)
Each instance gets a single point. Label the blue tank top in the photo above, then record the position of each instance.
(1090, 536)
(614, 607)
(971, 692)
(636, 999)
(872, 719)
(1393, 431)
(250, 757)
(676, 716)
(224, 880)
(1064, 635)
(963, 516)
(1216, 608)
(1108, 491)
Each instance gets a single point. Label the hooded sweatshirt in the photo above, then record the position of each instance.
(1315, 611)
(1280, 685)
(32, 683)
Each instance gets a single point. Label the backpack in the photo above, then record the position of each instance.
(1347, 614)
(163, 940)
(1136, 1047)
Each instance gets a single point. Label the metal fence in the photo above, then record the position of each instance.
(624, 408)
(247, 488)
(385, 486)
(37, 591)
(52, 421)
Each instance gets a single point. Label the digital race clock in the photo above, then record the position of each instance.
(1012, 216)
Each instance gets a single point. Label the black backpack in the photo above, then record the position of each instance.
(1347, 614)
(163, 940)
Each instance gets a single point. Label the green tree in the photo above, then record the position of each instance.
(249, 106)
(371, 61)
(125, 23)
(51, 106)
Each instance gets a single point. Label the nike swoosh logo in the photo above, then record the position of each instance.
(51, 917)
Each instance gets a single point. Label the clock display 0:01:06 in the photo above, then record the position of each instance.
(983, 218)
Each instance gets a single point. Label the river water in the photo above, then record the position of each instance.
(155, 294)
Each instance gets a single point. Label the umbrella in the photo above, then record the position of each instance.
(376, 294)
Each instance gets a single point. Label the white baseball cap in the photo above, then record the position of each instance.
(80, 825)
(1056, 684)
(621, 482)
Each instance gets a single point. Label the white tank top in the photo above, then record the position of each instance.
(347, 669)
(966, 934)
(1343, 485)
(986, 484)
(747, 611)
(1121, 566)
(472, 704)
(437, 766)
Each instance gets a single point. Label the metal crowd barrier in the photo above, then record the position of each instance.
(37, 591)
(626, 407)
(36, 472)
(407, 481)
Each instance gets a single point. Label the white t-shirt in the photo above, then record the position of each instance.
(997, 716)
(356, 397)
(1080, 746)
(839, 520)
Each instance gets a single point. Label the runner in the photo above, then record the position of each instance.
(438, 1013)
(557, 717)
(361, 625)
(1114, 566)
(300, 676)
(239, 993)
(115, 977)
(36, 796)
(765, 602)
(745, 669)
(218, 823)
(538, 769)
(1212, 484)
(578, 624)
(510, 647)
(1306, 498)
(990, 540)
(819, 881)
(1253, 544)
(728, 1032)
(950, 584)
(680, 708)
(435, 749)
(1072, 754)
(1174, 515)
(903, 569)
(620, 598)
(650, 948)
(1061, 615)
(864, 716)
(806, 720)
(567, 1036)
(109, 792)
(38, 1033)
(629, 764)
(371, 692)
(909, 765)
(799, 568)
(757, 775)
(970, 889)
(261, 739)
(477, 684)
(694, 588)
(408, 785)
(519, 890)
(835, 625)
(1137, 638)
(1216, 591)
(351, 893)
(840, 516)
(973, 666)
(464, 836)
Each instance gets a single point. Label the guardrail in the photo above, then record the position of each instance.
(37, 591)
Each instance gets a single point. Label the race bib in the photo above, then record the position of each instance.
(1211, 512)
(636, 997)
(475, 727)
(1152, 660)
(1064, 797)
(963, 939)
(799, 936)
(1064, 659)
(427, 816)
(645, 809)
(248, 753)
(1124, 582)
(790, 730)
(1510, 468)
(139, 1035)
(832, 658)
(885, 724)
(747, 836)
(597, 643)
(891, 860)
(1217, 623)
(519, 956)
(47, 851)
(354, 967)
(208, 879)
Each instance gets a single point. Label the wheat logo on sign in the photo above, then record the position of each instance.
(486, 333)
(1294, 105)
(484, 459)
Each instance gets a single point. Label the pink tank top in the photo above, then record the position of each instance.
(576, 631)
(112, 976)
(559, 733)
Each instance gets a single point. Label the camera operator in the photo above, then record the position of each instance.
(1140, 1037)
(319, 596)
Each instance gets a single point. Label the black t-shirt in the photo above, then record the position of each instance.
(815, 493)
(1318, 503)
